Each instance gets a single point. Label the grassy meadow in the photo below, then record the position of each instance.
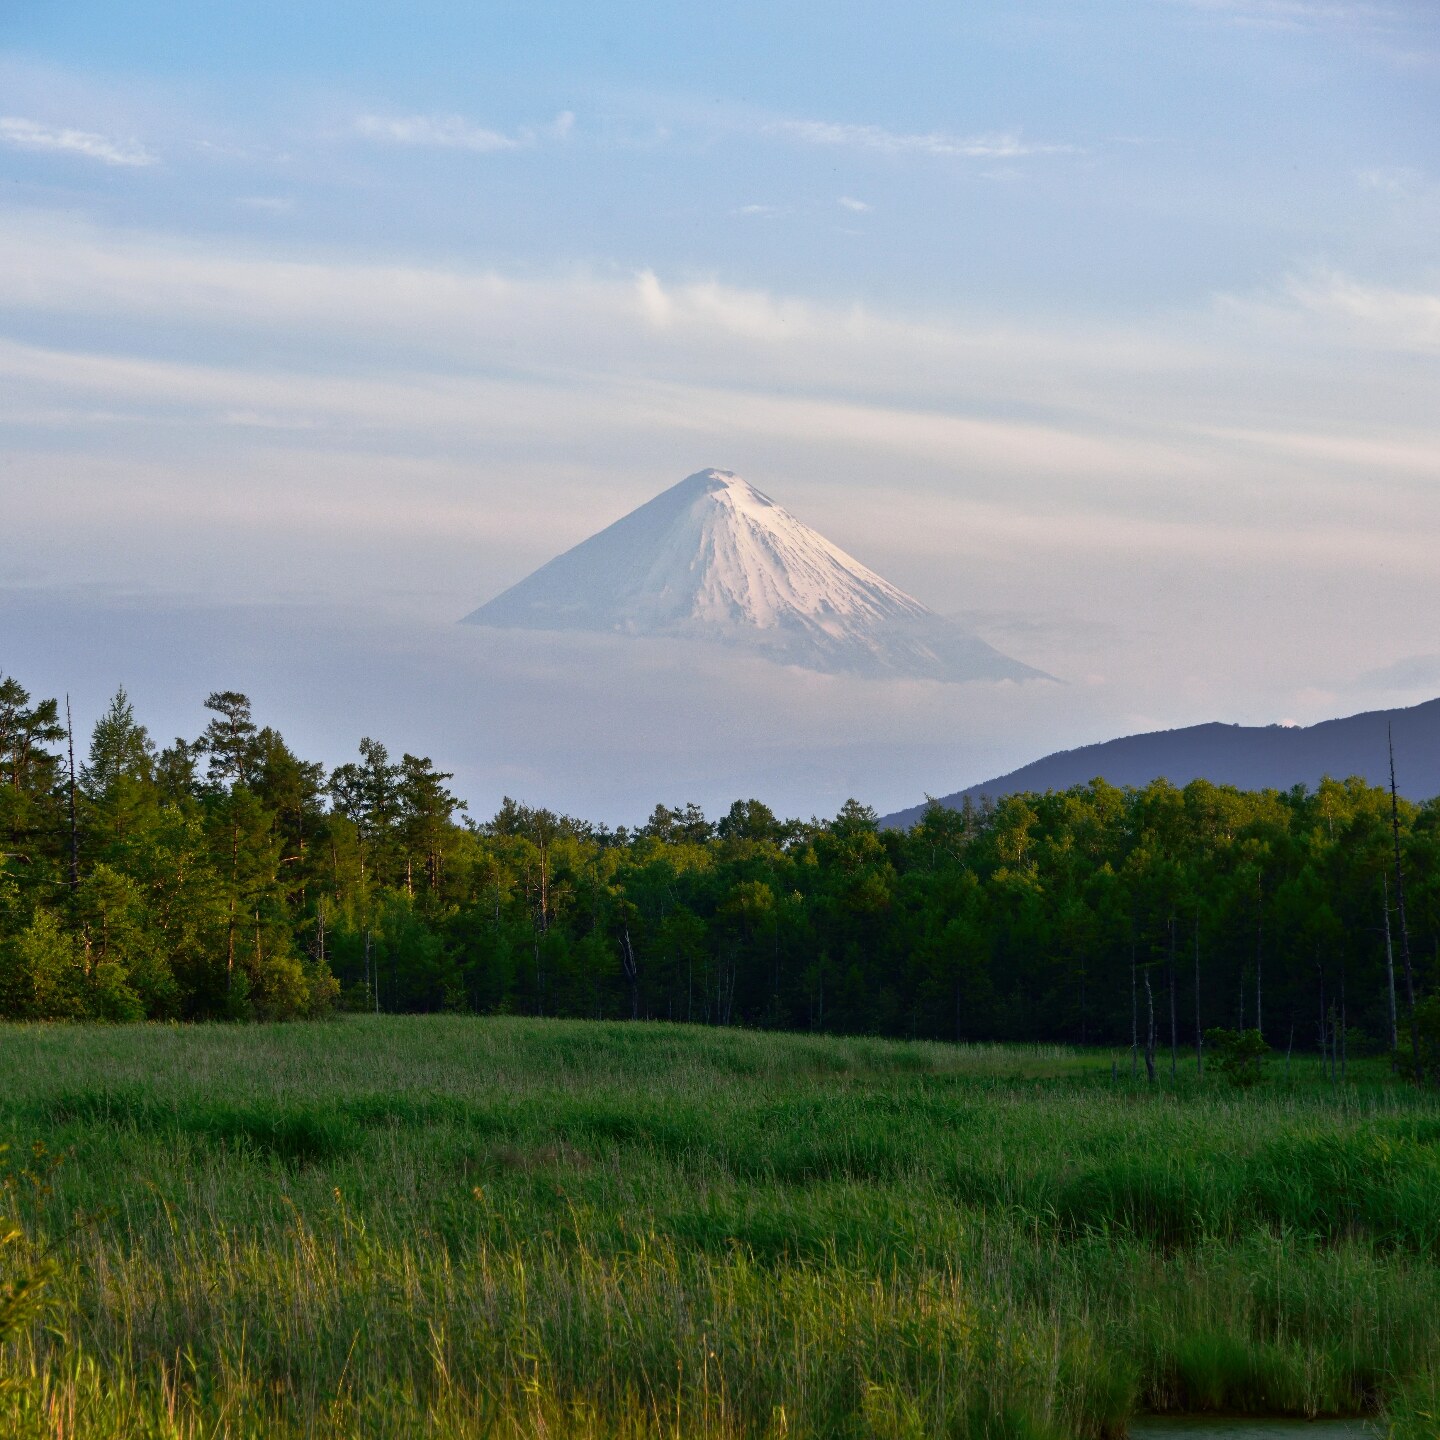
(441, 1226)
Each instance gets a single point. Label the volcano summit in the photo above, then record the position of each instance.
(714, 559)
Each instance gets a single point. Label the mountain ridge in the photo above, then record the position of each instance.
(713, 558)
(1251, 757)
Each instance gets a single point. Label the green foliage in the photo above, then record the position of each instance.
(1239, 1055)
(24, 1273)
(226, 877)
(1427, 1030)
(121, 751)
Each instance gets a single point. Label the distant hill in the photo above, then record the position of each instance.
(1252, 757)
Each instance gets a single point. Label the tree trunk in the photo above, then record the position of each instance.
(74, 828)
(1149, 1029)
(632, 972)
(1259, 935)
(1199, 1034)
(1134, 1018)
(1343, 1053)
(1170, 966)
(1390, 970)
(230, 930)
(1404, 926)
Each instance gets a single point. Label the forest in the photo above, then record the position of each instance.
(226, 877)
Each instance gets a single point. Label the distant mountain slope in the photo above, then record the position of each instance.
(1248, 756)
(714, 559)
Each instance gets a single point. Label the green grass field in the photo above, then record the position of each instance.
(456, 1227)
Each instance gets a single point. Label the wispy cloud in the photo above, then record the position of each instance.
(1380, 315)
(1408, 188)
(454, 132)
(1381, 28)
(435, 131)
(996, 145)
(1412, 672)
(1394, 34)
(21, 134)
(859, 207)
(1392, 179)
(1298, 14)
(718, 332)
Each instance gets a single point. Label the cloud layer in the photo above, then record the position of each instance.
(454, 132)
(1001, 145)
(406, 436)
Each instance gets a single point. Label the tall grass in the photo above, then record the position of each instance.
(459, 1227)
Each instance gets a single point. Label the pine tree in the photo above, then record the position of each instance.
(120, 750)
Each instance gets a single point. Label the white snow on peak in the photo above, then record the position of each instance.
(713, 558)
(733, 556)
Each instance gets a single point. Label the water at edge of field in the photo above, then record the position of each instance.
(1213, 1427)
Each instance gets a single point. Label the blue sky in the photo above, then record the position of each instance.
(1094, 156)
(1111, 327)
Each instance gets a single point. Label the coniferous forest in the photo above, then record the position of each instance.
(226, 877)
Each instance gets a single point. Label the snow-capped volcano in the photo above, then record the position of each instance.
(714, 559)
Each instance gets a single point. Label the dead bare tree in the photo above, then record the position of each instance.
(1170, 967)
(1342, 1040)
(1134, 1017)
(74, 828)
(632, 971)
(1149, 1029)
(1390, 969)
(1259, 948)
(1199, 1033)
(1400, 911)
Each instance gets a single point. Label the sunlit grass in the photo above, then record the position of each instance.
(504, 1227)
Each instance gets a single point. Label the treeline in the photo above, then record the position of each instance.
(226, 877)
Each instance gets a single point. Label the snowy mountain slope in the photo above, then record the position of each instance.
(714, 559)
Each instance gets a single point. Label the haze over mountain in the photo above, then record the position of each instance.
(714, 559)
(1251, 757)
